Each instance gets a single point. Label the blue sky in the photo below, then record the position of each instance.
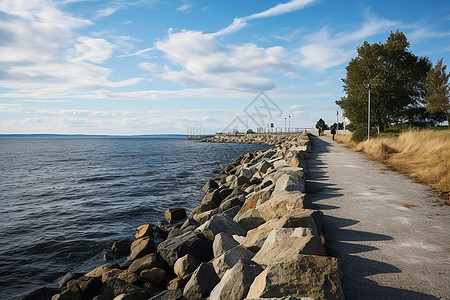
(152, 66)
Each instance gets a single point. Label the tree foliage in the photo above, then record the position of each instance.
(438, 90)
(321, 123)
(396, 78)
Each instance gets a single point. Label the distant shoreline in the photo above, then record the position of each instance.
(96, 135)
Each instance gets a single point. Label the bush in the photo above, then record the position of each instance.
(360, 134)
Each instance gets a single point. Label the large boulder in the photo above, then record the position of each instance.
(186, 265)
(175, 214)
(114, 287)
(202, 282)
(151, 231)
(263, 167)
(250, 203)
(141, 247)
(121, 247)
(222, 243)
(41, 294)
(236, 282)
(221, 223)
(147, 262)
(154, 275)
(169, 295)
(228, 259)
(308, 276)
(250, 219)
(255, 238)
(227, 204)
(213, 196)
(98, 272)
(210, 185)
(288, 183)
(285, 244)
(281, 204)
(193, 243)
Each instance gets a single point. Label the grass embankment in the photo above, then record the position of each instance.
(424, 155)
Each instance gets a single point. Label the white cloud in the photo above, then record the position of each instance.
(203, 60)
(106, 12)
(321, 57)
(277, 10)
(42, 56)
(184, 7)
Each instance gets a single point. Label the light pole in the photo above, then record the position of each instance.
(289, 128)
(368, 115)
(337, 121)
(284, 125)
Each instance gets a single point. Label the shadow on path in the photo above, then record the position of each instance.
(346, 244)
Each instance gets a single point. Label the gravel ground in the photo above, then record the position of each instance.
(391, 239)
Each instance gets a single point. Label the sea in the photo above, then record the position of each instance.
(65, 200)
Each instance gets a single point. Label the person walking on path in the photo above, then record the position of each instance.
(333, 131)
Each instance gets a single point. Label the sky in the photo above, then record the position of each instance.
(133, 67)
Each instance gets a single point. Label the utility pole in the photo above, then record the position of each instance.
(284, 125)
(337, 121)
(289, 128)
(368, 115)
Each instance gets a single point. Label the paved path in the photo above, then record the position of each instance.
(386, 250)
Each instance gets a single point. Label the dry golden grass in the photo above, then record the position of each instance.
(422, 154)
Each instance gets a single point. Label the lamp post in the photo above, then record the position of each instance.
(368, 115)
(337, 121)
(289, 128)
(284, 125)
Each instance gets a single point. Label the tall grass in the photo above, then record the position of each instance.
(422, 154)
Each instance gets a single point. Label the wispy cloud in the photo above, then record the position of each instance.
(185, 7)
(277, 10)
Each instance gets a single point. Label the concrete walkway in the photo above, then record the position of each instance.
(386, 250)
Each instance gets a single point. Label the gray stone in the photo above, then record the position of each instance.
(189, 222)
(121, 247)
(210, 184)
(213, 196)
(232, 212)
(41, 294)
(282, 203)
(250, 219)
(311, 276)
(202, 282)
(114, 287)
(227, 204)
(175, 214)
(288, 183)
(169, 295)
(147, 262)
(175, 232)
(222, 243)
(227, 260)
(236, 282)
(154, 275)
(263, 167)
(193, 243)
(221, 223)
(141, 247)
(68, 277)
(186, 265)
(241, 180)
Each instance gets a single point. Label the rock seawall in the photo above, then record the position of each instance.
(253, 236)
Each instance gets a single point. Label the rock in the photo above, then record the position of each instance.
(111, 273)
(210, 184)
(232, 212)
(225, 193)
(121, 247)
(169, 295)
(250, 219)
(154, 275)
(236, 282)
(281, 204)
(285, 244)
(287, 183)
(255, 238)
(308, 276)
(236, 193)
(250, 203)
(186, 265)
(227, 204)
(213, 196)
(129, 277)
(68, 277)
(141, 247)
(175, 214)
(97, 272)
(281, 163)
(263, 167)
(202, 282)
(241, 180)
(147, 262)
(248, 173)
(189, 222)
(89, 286)
(204, 216)
(193, 243)
(222, 223)
(228, 259)
(264, 195)
(114, 287)
(42, 294)
(143, 230)
(108, 255)
(178, 283)
(296, 162)
(202, 208)
(222, 243)
(174, 232)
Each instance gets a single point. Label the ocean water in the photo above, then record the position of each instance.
(64, 201)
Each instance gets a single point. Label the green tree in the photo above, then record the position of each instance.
(396, 77)
(438, 90)
(321, 123)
